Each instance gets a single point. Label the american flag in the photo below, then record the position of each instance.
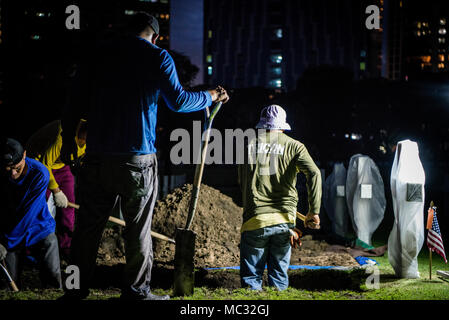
(434, 241)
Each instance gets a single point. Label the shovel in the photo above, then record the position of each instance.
(185, 238)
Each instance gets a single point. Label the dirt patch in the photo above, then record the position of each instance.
(112, 247)
(315, 253)
(217, 223)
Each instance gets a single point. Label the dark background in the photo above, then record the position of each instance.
(337, 77)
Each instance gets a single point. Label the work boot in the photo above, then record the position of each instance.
(74, 295)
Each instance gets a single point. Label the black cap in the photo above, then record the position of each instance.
(141, 20)
(12, 152)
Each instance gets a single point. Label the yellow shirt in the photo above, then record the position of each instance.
(45, 146)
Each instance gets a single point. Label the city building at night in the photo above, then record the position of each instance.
(426, 48)
(270, 43)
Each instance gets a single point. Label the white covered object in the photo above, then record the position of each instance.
(365, 196)
(334, 199)
(407, 190)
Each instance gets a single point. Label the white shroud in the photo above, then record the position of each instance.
(334, 199)
(407, 189)
(365, 196)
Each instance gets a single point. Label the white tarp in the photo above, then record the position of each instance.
(407, 190)
(365, 196)
(334, 199)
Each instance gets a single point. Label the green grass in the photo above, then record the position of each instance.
(391, 288)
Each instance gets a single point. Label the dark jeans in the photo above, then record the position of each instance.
(46, 253)
(101, 180)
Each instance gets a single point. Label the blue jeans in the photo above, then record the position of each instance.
(271, 246)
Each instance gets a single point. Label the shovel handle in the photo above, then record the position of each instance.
(200, 167)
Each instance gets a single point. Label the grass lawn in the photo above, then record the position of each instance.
(390, 288)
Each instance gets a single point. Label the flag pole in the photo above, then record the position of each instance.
(430, 264)
(430, 250)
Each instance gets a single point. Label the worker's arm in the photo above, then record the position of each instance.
(49, 158)
(178, 99)
(306, 165)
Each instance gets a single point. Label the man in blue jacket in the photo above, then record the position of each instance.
(127, 78)
(26, 223)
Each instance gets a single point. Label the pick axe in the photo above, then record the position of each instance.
(122, 223)
(185, 238)
(11, 282)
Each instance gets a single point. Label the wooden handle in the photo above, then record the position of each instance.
(303, 219)
(13, 286)
(123, 224)
(73, 205)
(153, 234)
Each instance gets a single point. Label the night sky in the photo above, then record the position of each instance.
(186, 31)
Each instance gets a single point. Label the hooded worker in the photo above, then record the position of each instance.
(27, 226)
(45, 146)
(270, 200)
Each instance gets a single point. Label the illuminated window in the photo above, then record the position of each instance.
(418, 24)
(161, 38)
(209, 34)
(441, 40)
(130, 12)
(426, 59)
(276, 58)
(209, 58)
(276, 71)
(443, 21)
(441, 66)
(209, 70)
(275, 83)
(418, 33)
(425, 25)
(362, 66)
(278, 33)
(363, 53)
(441, 57)
(442, 31)
(35, 37)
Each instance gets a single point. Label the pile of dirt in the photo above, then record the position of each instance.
(112, 247)
(217, 224)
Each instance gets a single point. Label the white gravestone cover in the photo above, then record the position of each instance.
(334, 200)
(365, 196)
(407, 189)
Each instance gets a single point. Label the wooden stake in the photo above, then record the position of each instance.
(430, 264)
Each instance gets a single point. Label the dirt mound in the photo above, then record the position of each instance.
(217, 223)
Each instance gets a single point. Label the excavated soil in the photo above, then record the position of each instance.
(217, 225)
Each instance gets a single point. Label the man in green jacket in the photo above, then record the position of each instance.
(270, 199)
